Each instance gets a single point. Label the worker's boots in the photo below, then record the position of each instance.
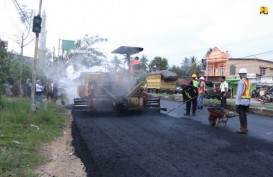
(243, 130)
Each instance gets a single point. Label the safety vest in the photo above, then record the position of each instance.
(201, 89)
(135, 66)
(187, 94)
(247, 92)
(195, 83)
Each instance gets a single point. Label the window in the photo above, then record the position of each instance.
(232, 70)
(221, 71)
(215, 71)
(262, 71)
(209, 71)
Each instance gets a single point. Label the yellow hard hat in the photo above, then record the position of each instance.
(194, 75)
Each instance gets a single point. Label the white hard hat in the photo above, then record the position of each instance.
(202, 78)
(242, 71)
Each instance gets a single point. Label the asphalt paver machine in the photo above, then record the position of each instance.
(120, 91)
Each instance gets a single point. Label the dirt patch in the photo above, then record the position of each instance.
(63, 162)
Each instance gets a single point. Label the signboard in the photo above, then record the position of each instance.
(203, 64)
(68, 44)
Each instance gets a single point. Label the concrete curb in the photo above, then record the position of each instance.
(256, 110)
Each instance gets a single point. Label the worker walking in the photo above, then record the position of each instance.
(201, 93)
(243, 99)
(190, 94)
(224, 91)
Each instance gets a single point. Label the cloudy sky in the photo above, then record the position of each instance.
(172, 29)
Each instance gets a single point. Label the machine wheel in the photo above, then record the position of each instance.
(212, 121)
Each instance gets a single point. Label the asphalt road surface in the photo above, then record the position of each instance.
(155, 145)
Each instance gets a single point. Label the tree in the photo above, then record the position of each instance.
(177, 70)
(185, 66)
(193, 60)
(85, 54)
(144, 63)
(209, 51)
(158, 63)
(4, 68)
(115, 64)
(25, 16)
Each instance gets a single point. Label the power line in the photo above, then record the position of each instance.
(18, 6)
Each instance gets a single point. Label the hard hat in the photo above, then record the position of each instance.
(194, 75)
(242, 71)
(202, 78)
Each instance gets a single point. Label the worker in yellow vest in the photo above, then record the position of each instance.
(194, 82)
(243, 99)
(201, 93)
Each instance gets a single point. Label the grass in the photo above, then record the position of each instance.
(22, 133)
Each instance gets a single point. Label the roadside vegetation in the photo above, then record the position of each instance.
(22, 133)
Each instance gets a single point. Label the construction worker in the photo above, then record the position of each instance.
(201, 93)
(194, 82)
(190, 94)
(224, 91)
(243, 99)
(135, 66)
(38, 91)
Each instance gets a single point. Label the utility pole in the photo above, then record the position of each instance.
(21, 63)
(37, 30)
(58, 58)
(207, 62)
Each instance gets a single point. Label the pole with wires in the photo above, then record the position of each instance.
(36, 29)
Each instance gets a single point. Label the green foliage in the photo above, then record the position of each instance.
(22, 133)
(4, 69)
(115, 64)
(144, 63)
(158, 63)
(86, 54)
(177, 70)
(4, 65)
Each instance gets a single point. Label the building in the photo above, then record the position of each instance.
(220, 63)
(267, 80)
(217, 63)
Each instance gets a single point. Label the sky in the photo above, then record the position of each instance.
(172, 29)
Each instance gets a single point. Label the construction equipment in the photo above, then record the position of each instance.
(120, 91)
(161, 81)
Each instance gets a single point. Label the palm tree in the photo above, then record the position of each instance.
(115, 64)
(144, 62)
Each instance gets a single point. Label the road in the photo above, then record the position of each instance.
(166, 145)
(259, 126)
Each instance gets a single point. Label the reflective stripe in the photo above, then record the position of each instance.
(187, 94)
(247, 92)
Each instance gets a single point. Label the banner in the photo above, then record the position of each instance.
(204, 65)
(68, 44)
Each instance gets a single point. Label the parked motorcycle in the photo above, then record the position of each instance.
(267, 97)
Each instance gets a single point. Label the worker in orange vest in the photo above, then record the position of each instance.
(243, 99)
(135, 66)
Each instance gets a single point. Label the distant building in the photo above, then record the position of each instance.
(221, 64)
(267, 80)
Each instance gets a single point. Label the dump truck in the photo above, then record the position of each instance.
(161, 81)
(120, 91)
